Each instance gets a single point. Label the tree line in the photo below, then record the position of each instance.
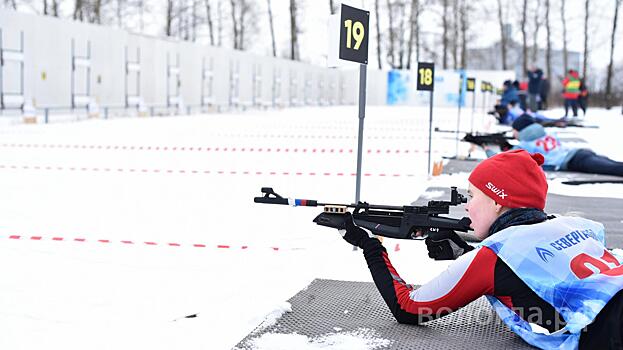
(442, 31)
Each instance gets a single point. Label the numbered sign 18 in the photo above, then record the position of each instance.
(471, 84)
(354, 34)
(425, 76)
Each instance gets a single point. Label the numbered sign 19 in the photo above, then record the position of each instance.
(425, 76)
(471, 84)
(354, 34)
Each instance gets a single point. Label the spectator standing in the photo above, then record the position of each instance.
(535, 76)
(543, 92)
(571, 91)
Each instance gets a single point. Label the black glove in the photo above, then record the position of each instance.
(351, 233)
(446, 245)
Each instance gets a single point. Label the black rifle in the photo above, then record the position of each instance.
(565, 123)
(402, 222)
(500, 139)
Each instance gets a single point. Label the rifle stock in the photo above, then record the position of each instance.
(498, 139)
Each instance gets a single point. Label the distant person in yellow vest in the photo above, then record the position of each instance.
(571, 91)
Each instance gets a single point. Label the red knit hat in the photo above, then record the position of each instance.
(513, 179)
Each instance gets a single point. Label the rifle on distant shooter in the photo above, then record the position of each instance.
(565, 123)
(402, 222)
(499, 139)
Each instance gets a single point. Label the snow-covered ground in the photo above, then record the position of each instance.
(112, 232)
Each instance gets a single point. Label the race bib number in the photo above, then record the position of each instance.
(547, 144)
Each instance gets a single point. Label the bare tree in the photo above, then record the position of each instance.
(97, 12)
(610, 65)
(401, 30)
(444, 21)
(378, 33)
(464, 16)
(524, 16)
(502, 34)
(180, 19)
(535, 33)
(585, 59)
(209, 19)
(78, 13)
(245, 26)
(119, 12)
(234, 22)
(55, 8)
(413, 32)
(141, 12)
(195, 19)
(219, 11)
(11, 3)
(565, 53)
(455, 33)
(294, 43)
(392, 35)
(272, 28)
(548, 52)
(45, 7)
(169, 18)
(331, 7)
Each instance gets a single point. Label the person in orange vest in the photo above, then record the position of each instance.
(571, 91)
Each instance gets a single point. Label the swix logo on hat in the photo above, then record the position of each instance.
(498, 191)
(513, 179)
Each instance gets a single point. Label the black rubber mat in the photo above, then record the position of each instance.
(329, 307)
(571, 139)
(467, 165)
(608, 211)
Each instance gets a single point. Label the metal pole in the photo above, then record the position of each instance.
(47, 114)
(203, 81)
(458, 117)
(362, 114)
(168, 79)
(473, 108)
(73, 68)
(125, 80)
(430, 130)
(21, 67)
(1, 69)
(483, 102)
(138, 74)
(89, 69)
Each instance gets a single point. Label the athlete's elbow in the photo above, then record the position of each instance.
(405, 317)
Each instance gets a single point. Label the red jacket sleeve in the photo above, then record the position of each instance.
(465, 280)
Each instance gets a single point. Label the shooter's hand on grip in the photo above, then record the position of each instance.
(446, 245)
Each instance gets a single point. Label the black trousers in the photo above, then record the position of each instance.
(605, 332)
(573, 103)
(583, 103)
(586, 161)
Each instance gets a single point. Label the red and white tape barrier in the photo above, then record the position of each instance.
(211, 149)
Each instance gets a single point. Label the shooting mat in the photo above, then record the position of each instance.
(329, 307)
